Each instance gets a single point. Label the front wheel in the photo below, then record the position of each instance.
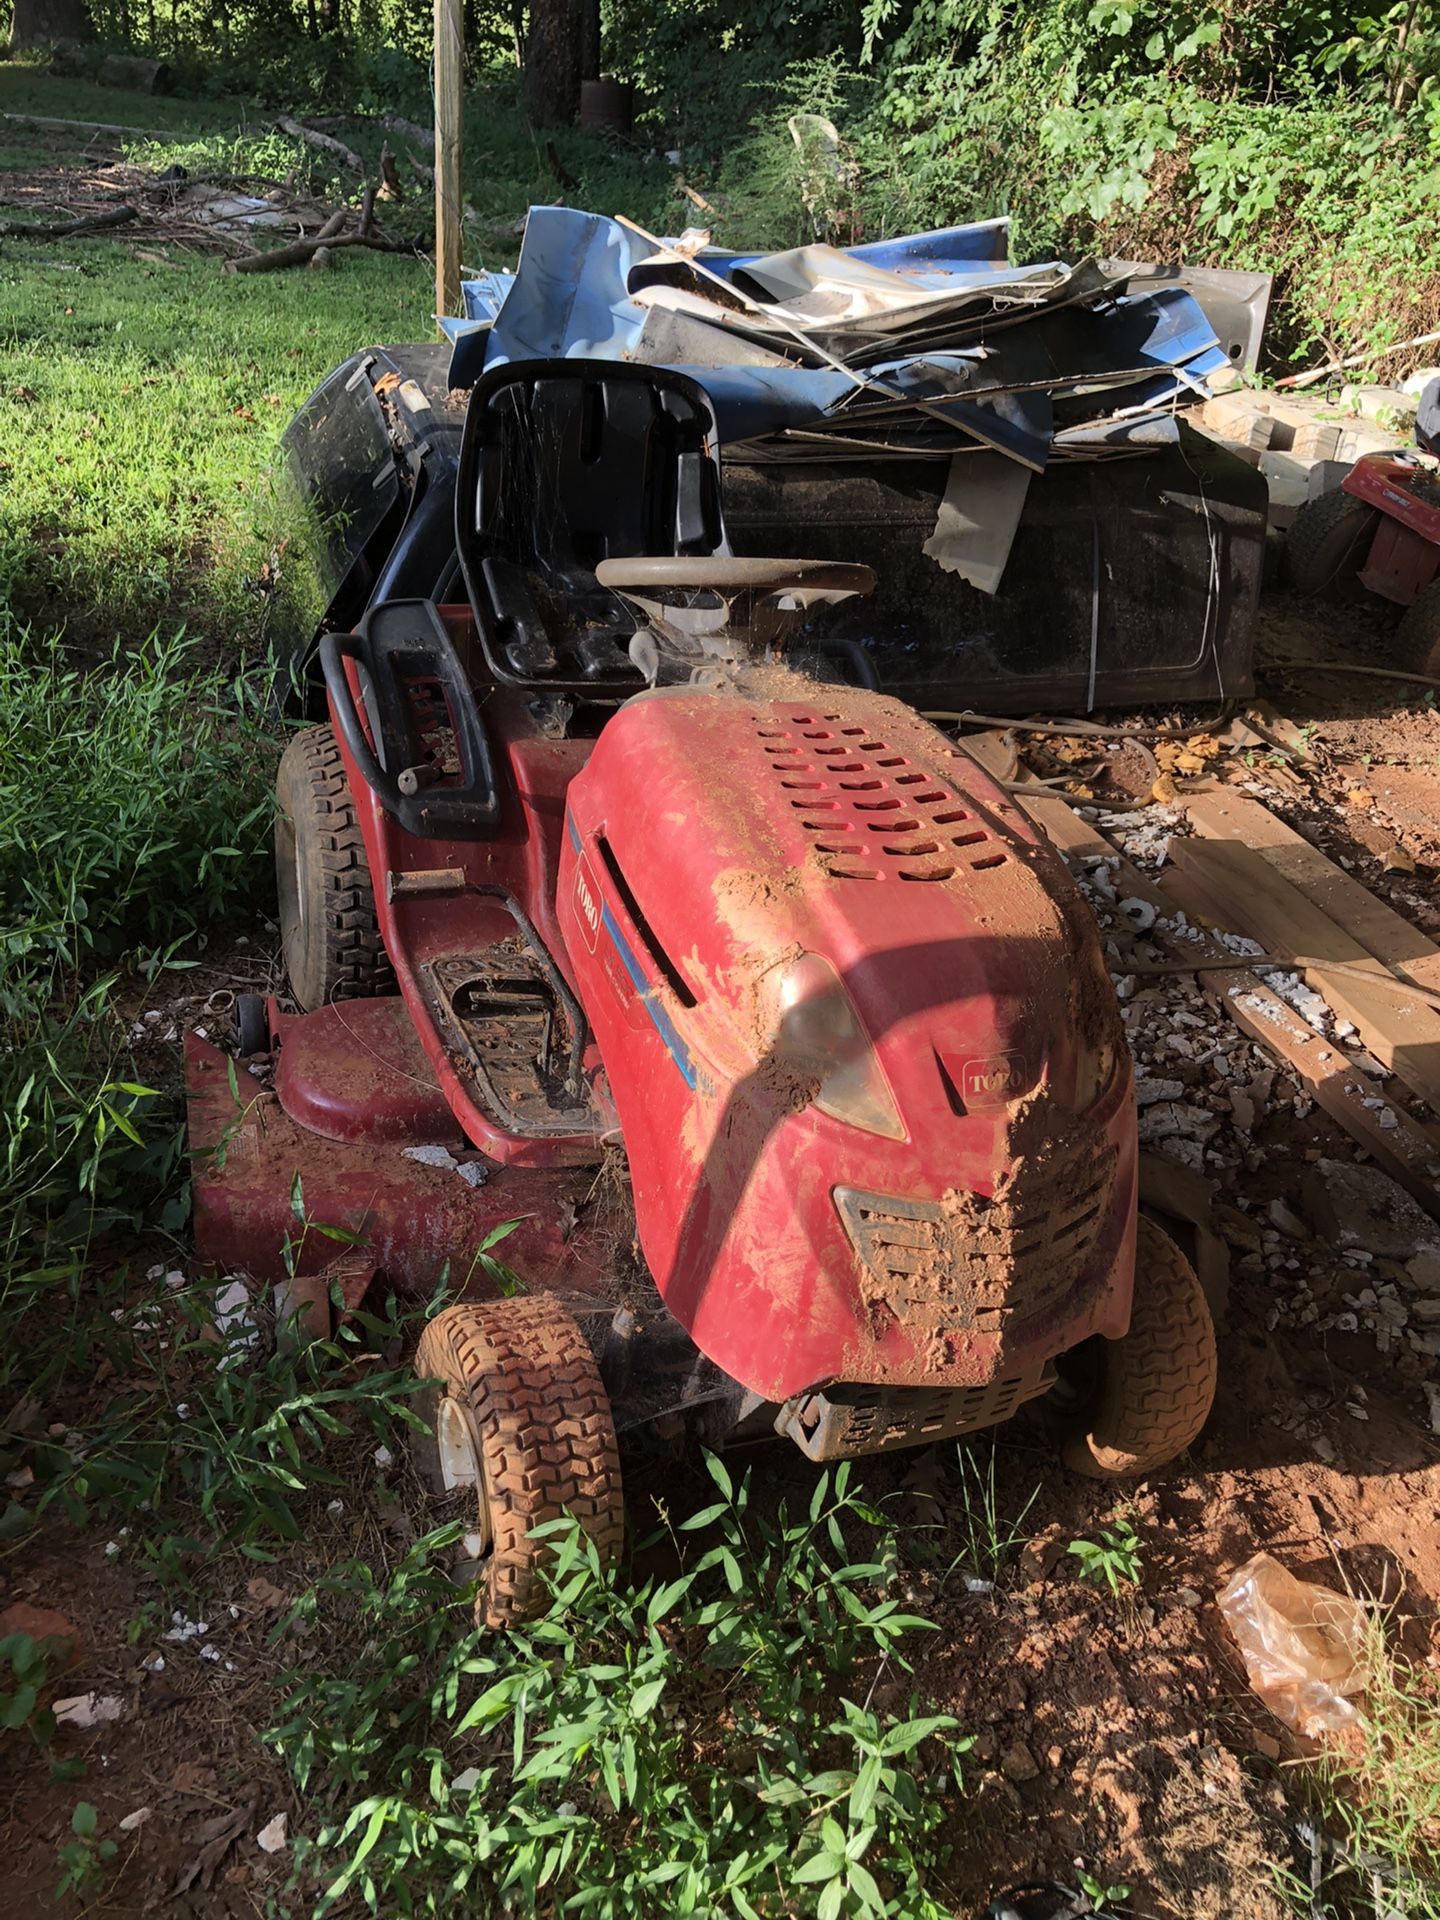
(1152, 1390)
(518, 1423)
(329, 927)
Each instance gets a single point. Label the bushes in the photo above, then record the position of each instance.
(1286, 136)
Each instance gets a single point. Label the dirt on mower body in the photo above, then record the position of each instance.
(747, 993)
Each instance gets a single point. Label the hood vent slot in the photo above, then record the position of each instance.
(659, 958)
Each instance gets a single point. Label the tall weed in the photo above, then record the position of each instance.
(133, 808)
(700, 1743)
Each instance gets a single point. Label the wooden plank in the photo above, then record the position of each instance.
(1383, 933)
(449, 107)
(1385, 1131)
(1242, 893)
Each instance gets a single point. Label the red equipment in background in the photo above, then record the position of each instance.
(1379, 533)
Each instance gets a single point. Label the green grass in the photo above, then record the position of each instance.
(140, 404)
(141, 399)
(26, 88)
(1383, 1790)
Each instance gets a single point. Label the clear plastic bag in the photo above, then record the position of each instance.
(1304, 1647)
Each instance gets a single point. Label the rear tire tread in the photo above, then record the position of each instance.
(1324, 546)
(345, 957)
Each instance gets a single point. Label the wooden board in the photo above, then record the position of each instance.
(1383, 933)
(1385, 1131)
(1240, 892)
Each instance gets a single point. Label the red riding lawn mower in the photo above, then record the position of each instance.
(1378, 534)
(619, 914)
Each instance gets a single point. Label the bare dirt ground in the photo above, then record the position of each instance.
(1115, 1730)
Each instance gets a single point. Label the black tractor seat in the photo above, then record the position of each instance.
(564, 465)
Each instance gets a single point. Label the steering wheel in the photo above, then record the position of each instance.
(732, 574)
(747, 590)
(738, 578)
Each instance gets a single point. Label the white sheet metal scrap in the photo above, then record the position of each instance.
(932, 346)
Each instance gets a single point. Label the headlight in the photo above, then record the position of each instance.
(817, 1031)
(1094, 1073)
(1101, 1042)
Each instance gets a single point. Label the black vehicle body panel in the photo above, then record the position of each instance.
(1129, 580)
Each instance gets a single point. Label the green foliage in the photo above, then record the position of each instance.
(688, 1744)
(84, 1857)
(237, 1448)
(26, 1664)
(1111, 1561)
(134, 797)
(1097, 1892)
(1382, 1789)
(987, 1536)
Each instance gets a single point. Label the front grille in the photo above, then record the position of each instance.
(973, 1263)
(847, 1420)
(873, 813)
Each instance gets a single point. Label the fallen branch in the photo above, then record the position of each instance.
(86, 126)
(421, 171)
(69, 229)
(422, 136)
(694, 196)
(391, 122)
(1356, 360)
(321, 141)
(299, 252)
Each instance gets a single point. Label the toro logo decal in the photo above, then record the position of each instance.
(587, 902)
(993, 1079)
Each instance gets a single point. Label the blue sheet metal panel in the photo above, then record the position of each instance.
(569, 298)
(751, 402)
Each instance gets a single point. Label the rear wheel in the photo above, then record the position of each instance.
(1327, 544)
(329, 929)
(1152, 1390)
(1417, 638)
(520, 1425)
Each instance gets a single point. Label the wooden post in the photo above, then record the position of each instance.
(449, 104)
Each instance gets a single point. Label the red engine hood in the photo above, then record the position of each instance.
(713, 839)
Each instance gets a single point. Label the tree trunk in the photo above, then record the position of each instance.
(552, 61)
(49, 23)
(589, 39)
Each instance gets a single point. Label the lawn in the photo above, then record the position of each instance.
(143, 389)
(141, 400)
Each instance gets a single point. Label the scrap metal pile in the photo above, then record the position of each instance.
(924, 347)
